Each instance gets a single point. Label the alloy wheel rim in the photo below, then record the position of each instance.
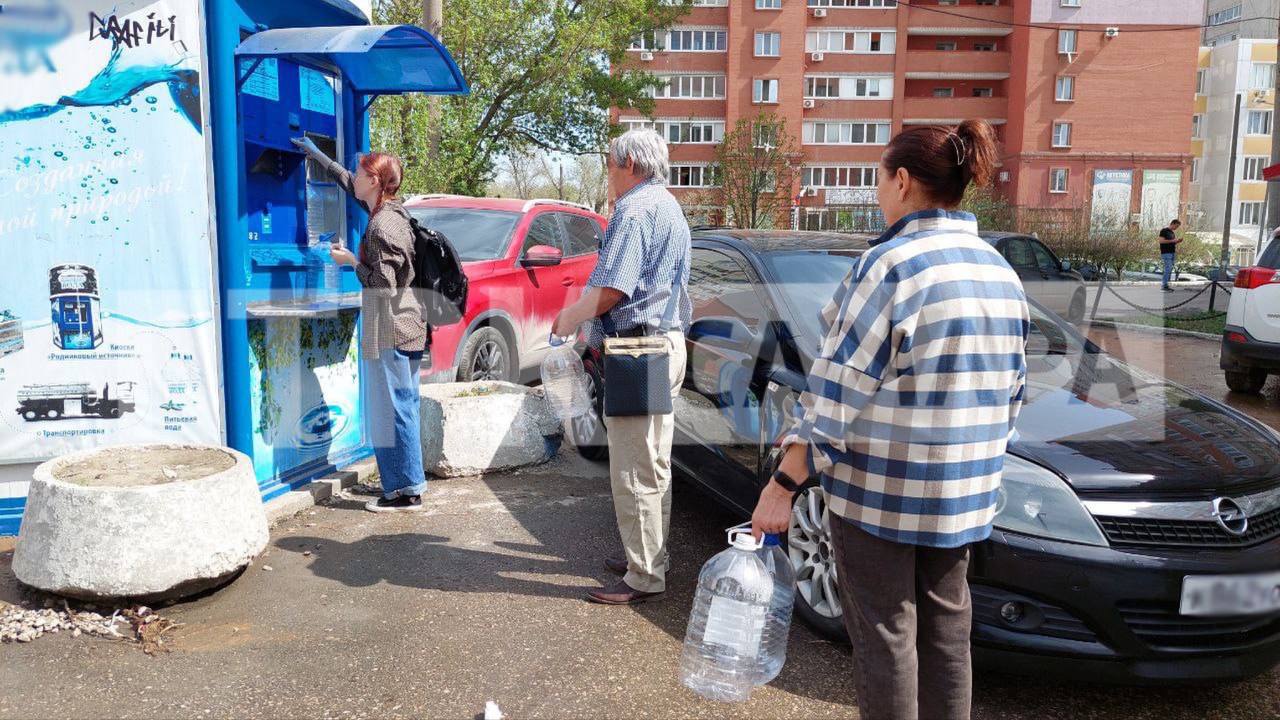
(490, 363)
(809, 549)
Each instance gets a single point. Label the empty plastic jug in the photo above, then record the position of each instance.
(778, 624)
(564, 382)
(722, 646)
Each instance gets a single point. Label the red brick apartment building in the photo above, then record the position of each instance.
(1092, 99)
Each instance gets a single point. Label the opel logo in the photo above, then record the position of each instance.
(1230, 516)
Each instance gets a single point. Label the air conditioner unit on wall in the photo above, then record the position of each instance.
(819, 12)
(808, 103)
(1111, 32)
(646, 56)
(816, 57)
(809, 192)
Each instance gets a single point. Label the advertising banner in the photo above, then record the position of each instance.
(107, 293)
(1161, 190)
(1112, 191)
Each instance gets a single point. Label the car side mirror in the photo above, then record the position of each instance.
(542, 256)
(722, 331)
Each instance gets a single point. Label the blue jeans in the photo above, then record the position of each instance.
(394, 422)
(1168, 267)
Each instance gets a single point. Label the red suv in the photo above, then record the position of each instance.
(526, 260)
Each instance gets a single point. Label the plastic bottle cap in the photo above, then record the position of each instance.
(745, 541)
(771, 540)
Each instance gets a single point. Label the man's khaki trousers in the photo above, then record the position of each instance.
(640, 468)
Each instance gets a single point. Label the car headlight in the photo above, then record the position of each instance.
(1034, 501)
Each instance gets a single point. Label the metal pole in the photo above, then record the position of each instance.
(1231, 196)
(433, 21)
(1273, 191)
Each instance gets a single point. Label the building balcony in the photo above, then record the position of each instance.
(960, 108)
(960, 20)
(959, 65)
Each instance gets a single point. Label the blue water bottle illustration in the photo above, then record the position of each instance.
(76, 307)
(777, 626)
(724, 640)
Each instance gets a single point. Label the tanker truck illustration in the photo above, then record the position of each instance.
(75, 400)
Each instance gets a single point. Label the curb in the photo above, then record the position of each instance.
(1152, 330)
(313, 493)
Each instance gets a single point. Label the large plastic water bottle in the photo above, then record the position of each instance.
(564, 382)
(778, 625)
(723, 643)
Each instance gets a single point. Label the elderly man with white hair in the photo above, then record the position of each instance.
(640, 289)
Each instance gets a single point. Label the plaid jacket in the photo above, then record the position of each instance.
(913, 397)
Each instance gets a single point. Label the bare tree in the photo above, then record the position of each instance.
(591, 178)
(757, 167)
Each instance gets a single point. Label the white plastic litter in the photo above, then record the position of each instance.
(492, 711)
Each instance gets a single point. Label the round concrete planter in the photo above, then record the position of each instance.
(140, 521)
(475, 428)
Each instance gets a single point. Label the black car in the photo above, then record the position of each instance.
(1138, 533)
(1047, 279)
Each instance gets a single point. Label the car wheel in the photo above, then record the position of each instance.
(1246, 381)
(485, 357)
(1075, 313)
(587, 431)
(808, 545)
(53, 414)
(30, 415)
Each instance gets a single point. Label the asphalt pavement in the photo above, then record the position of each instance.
(480, 598)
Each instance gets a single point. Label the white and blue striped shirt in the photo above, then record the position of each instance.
(913, 397)
(646, 247)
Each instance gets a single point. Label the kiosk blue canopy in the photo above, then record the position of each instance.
(374, 59)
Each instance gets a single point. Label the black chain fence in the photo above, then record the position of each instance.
(1162, 313)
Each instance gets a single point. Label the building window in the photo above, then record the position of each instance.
(1259, 122)
(690, 87)
(1202, 82)
(765, 135)
(1065, 89)
(987, 2)
(693, 132)
(699, 3)
(848, 87)
(982, 92)
(1262, 76)
(944, 92)
(984, 47)
(694, 176)
(1070, 3)
(1062, 134)
(845, 133)
(1253, 168)
(948, 2)
(854, 3)
(768, 4)
(838, 176)
(1225, 16)
(764, 90)
(851, 41)
(948, 46)
(1066, 41)
(1195, 170)
(768, 44)
(696, 40)
(1058, 180)
(649, 41)
(1197, 126)
(1250, 213)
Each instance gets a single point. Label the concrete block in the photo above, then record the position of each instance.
(475, 428)
(140, 521)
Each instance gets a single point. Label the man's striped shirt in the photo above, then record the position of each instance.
(920, 377)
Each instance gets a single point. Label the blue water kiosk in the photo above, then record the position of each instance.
(290, 347)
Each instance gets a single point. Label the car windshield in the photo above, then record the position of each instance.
(475, 234)
(808, 281)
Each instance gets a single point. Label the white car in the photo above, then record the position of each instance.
(1251, 340)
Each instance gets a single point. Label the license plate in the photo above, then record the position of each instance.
(1210, 595)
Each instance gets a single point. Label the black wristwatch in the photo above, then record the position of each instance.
(787, 482)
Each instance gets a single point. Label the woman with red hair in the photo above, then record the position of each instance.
(394, 334)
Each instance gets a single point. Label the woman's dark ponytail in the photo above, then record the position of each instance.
(946, 160)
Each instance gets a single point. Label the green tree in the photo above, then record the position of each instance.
(540, 77)
(757, 163)
(993, 211)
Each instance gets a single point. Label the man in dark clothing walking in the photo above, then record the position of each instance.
(1169, 251)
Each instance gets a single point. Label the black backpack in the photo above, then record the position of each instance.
(438, 276)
